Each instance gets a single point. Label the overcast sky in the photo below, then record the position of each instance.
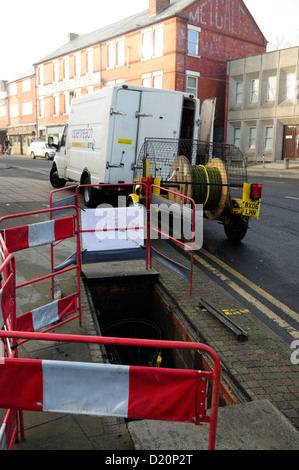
(30, 29)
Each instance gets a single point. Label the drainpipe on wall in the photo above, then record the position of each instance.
(36, 110)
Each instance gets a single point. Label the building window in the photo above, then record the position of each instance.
(90, 61)
(56, 105)
(27, 109)
(66, 102)
(120, 44)
(191, 85)
(269, 138)
(271, 90)
(147, 45)
(158, 42)
(147, 80)
(13, 89)
(42, 108)
(153, 43)
(290, 86)
(158, 79)
(3, 110)
(66, 65)
(78, 93)
(111, 55)
(116, 82)
(252, 137)
(254, 91)
(14, 111)
(237, 137)
(77, 65)
(239, 92)
(56, 71)
(193, 40)
(41, 75)
(26, 85)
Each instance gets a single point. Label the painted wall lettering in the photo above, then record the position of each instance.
(227, 16)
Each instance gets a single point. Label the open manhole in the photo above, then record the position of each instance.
(135, 307)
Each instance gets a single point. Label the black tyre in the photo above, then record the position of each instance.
(90, 195)
(32, 155)
(236, 230)
(56, 182)
(47, 156)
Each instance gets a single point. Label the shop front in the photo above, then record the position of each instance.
(20, 138)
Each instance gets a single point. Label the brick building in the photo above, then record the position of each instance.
(179, 45)
(18, 112)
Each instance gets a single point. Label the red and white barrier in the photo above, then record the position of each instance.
(46, 315)
(103, 390)
(8, 430)
(6, 300)
(27, 236)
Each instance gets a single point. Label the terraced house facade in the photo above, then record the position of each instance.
(179, 45)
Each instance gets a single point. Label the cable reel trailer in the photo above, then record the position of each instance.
(212, 174)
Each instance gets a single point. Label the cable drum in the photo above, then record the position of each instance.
(206, 185)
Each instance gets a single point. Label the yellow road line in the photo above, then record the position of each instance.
(265, 310)
(254, 287)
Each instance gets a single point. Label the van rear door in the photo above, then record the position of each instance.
(160, 115)
(124, 135)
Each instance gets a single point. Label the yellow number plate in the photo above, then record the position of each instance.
(250, 208)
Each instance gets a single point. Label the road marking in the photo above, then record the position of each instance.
(253, 286)
(275, 182)
(290, 197)
(265, 310)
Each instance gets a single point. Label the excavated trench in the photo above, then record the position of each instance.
(138, 307)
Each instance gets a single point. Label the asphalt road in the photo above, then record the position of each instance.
(262, 271)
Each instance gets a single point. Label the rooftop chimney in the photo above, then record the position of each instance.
(155, 6)
(72, 36)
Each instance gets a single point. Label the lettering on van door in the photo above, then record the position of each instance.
(83, 138)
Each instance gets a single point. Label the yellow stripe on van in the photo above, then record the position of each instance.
(79, 144)
(125, 141)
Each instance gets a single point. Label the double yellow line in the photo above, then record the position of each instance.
(250, 298)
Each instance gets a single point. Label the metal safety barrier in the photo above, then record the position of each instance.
(13, 420)
(159, 201)
(20, 238)
(94, 253)
(82, 388)
(112, 390)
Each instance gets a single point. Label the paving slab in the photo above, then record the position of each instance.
(250, 426)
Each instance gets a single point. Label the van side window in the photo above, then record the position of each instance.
(63, 138)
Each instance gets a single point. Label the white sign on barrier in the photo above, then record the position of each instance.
(109, 228)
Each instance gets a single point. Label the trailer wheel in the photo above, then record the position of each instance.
(55, 181)
(236, 229)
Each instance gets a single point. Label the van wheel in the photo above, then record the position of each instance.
(90, 195)
(55, 181)
(47, 156)
(32, 155)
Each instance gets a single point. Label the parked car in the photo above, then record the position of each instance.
(39, 148)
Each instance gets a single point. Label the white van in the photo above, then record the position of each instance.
(38, 148)
(106, 131)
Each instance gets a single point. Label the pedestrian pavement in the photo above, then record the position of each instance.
(275, 169)
(259, 381)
